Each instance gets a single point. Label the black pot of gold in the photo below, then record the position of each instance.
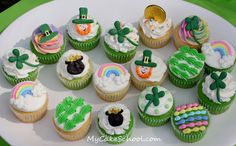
(75, 65)
(115, 117)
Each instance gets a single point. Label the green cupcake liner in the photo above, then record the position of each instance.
(77, 83)
(32, 76)
(116, 139)
(48, 58)
(86, 45)
(155, 120)
(209, 70)
(191, 137)
(118, 57)
(185, 83)
(213, 108)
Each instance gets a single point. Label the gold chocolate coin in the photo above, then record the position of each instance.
(155, 12)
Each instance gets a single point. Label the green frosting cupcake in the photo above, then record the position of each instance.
(217, 91)
(115, 123)
(190, 122)
(186, 67)
(121, 42)
(20, 65)
(155, 105)
(83, 31)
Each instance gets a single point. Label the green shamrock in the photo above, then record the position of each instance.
(192, 24)
(218, 83)
(153, 98)
(20, 59)
(121, 33)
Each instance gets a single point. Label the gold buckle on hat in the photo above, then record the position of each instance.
(146, 59)
(47, 33)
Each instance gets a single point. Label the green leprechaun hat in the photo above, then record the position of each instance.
(48, 34)
(83, 18)
(147, 59)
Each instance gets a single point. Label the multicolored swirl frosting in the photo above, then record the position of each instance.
(193, 30)
(219, 54)
(28, 96)
(71, 113)
(111, 77)
(186, 63)
(219, 87)
(191, 118)
(47, 39)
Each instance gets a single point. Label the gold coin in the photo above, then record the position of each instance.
(155, 12)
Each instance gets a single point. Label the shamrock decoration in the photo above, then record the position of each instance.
(20, 59)
(121, 32)
(218, 83)
(192, 24)
(153, 98)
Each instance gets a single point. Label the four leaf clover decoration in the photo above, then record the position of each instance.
(121, 32)
(153, 98)
(192, 24)
(218, 83)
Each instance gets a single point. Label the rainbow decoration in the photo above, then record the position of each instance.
(22, 89)
(111, 68)
(222, 47)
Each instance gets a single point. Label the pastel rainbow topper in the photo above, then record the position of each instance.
(22, 89)
(223, 47)
(111, 68)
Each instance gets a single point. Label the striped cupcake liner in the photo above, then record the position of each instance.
(213, 108)
(209, 70)
(85, 45)
(185, 83)
(118, 57)
(190, 138)
(116, 139)
(48, 58)
(112, 97)
(32, 76)
(155, 43)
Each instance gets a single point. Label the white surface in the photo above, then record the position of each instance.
(222, 129)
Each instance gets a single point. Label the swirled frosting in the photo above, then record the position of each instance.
(51, 46)
(201, 33)
(104, 123)
(219, 54)
(225, 94)
(62, 66)
(126, 46)
(28, 96)
(153, 29)
(11, 69)
(71, 30)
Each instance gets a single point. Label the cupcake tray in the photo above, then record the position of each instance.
(222, 129)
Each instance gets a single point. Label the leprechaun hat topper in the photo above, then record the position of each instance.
(83, 18)
(147, 59)
(48, 34)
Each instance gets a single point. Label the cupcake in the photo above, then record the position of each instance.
(154, 28)
(20, 65)
(220, 56)
(72, 118)
(115, 123)
(147, 70)
(83, 31)
(190, 122)
(192, 31)
(121, 42)
(48, 43)
(155, 105)
(29, 101)
(217, 91)
(75, 69)
(111, 82)
(186, 67)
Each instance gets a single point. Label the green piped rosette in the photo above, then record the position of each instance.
(117, 139)
(68, 108)
(154, 98)
(186, 67)
(213, 107)
(48, 58)
(86, 45)
(191, 116)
